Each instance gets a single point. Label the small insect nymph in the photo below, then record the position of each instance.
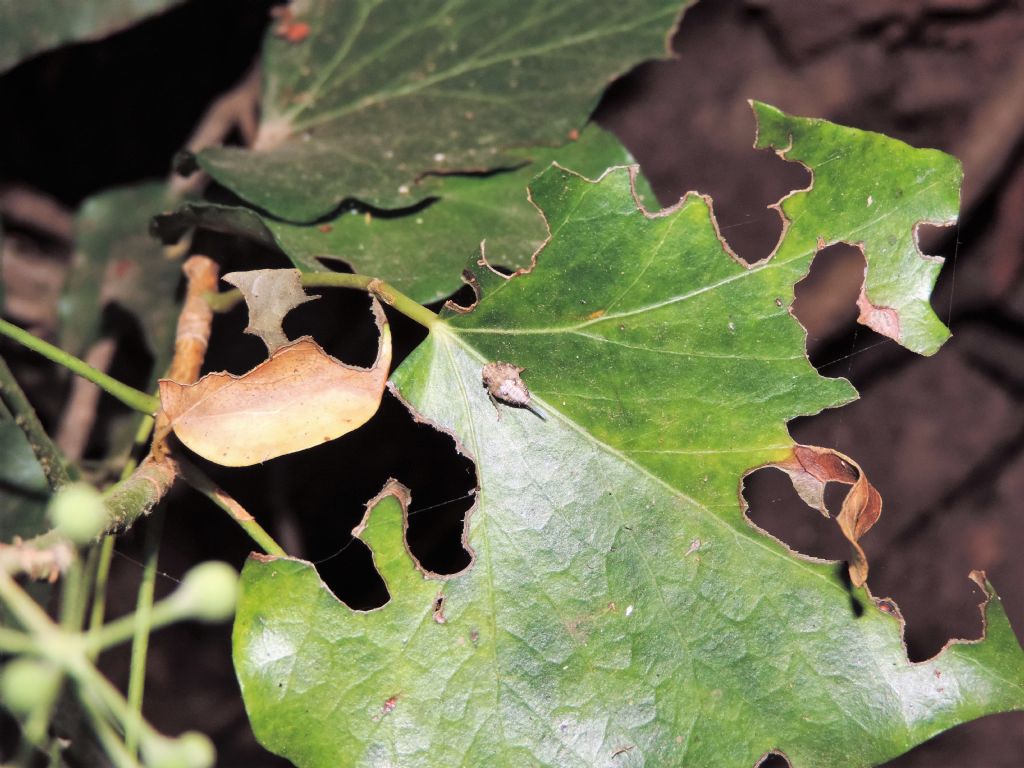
(503, 384)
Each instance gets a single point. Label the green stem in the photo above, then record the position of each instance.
(222, 302)
(67, 653)
(260, 536)
(121, 630)
(58, 472)
(256, 532)
(14, 642)
(130, 396)
(25, 609)
(198, 480)
(140, 641)
(38, 723)
(119, 756)
(99, 596)
(56, 750)
(126, 502)
(99, 600)
(89, 680)
(72, 597)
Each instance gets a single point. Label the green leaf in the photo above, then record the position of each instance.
(620, 608)
(879, 195)
(422, 253)
(24, 491)
(116, 260)
(32, 27)
(379, 94)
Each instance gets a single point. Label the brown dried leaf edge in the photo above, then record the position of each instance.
(810, 468)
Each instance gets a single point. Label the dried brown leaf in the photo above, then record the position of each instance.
(270, 294)
(299, 398)
(810, 468)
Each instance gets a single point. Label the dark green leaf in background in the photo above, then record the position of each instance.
(28, 27)
(423, 252)
(620, 608)
(379, 94)
(116, 260)
(24, 491)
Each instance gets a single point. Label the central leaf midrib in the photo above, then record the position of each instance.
(444, 333)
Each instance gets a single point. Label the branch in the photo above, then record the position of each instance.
(37, 210)
(141, 491)
(54, 466)
(236, 108)
(79, 416)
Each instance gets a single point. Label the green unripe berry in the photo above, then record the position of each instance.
(209, 592)
(190, 750)
(27, 683)
(77, 511)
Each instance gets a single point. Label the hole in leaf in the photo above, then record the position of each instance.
(329, 324)
(773, 760)
(826, 300)
(464, 297)
(351, 576)
(310, 501)
(892, 433)
(775, 508)
(935, 240)
(717, 158)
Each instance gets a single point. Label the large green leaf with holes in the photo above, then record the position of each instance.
(362, 99)
(620, 609)
(422, 251)
(32, 26)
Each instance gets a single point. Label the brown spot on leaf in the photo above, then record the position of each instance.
(122, 267)
(387, 708)
(596, 314)
(885, 605)
(882, 320)
(439, 609)
(287, 28)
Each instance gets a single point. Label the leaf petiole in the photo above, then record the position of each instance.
(388, 294)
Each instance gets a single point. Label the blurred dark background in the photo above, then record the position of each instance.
(940, 437)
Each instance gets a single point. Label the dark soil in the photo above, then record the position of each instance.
(941, 438)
